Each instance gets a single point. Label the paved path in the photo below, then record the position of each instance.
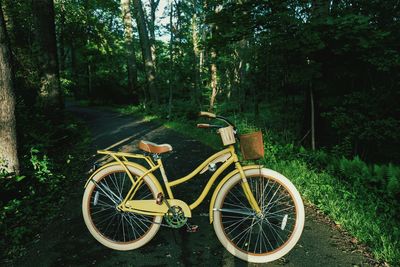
(67, 242)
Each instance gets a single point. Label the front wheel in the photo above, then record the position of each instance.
(264, 237)
(114, 228)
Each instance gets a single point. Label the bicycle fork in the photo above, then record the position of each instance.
(247, 191)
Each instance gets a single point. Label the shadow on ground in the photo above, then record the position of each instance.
(67, 242)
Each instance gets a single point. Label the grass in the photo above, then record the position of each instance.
(355, 210)
(128, 110)
(366, 211)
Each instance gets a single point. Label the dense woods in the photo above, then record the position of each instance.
(315, 75)
(327, 72)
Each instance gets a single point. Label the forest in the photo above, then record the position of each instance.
(320, 78)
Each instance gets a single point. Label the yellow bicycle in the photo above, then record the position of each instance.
(257, 213)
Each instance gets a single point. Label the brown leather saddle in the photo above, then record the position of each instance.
(154, 148)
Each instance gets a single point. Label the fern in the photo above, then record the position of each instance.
(393, 185)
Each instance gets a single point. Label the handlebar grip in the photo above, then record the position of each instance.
(203, 125)
(207, 114)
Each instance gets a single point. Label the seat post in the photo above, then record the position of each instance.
(165, 179)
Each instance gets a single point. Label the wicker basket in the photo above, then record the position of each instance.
(227, 135)
(252, 145)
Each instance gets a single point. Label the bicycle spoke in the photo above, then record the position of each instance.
(275, 212)
(244, 234)
(236, 224)
(113, 181)
(253, 233)
(235, 205)
(103, 210)
(138, 225)
(236, 198)
(271, 205)
(109, 193)
(267, 194)
(271, 246)
(123, 182)
(113, 224)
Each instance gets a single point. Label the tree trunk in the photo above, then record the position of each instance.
(214, 86)
(88, 57)
(74, 73)
(202, 54)
(8, 138)
(196, 54)
(61, 38)
(89, 75)
(319, 11)
(171, 61)
(146, 50)
(312, 119)
(153, 9)
(50, 96)
(129, 45)
(242, 71)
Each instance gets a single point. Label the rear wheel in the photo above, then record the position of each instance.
(261, 237)
(113, 228)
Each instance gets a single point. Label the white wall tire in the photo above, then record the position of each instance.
(291, 224)
(137, 230)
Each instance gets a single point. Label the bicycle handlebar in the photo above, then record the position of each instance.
(213, 116)
(205, 125)
(207, 114)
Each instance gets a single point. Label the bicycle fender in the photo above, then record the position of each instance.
(223, 181)
(128, 164)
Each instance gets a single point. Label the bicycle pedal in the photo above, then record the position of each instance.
(192, 228)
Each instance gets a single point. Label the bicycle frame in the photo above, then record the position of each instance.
(149, 207)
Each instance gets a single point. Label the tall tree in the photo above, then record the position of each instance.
(146, 50)
(87, 8)
(129, 44)
(196, 52)
(171, 79)
(153, 8)
(213, 64)
(50, 96)
(61, 36)
(214, 79)
(8, 137)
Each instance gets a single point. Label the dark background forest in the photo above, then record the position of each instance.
(321, 78)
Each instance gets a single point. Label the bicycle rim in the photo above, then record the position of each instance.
(259, 238)
(113, 228)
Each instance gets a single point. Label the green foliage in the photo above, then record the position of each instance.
(27, 201)
(270, 54)
(40, 165)
(361, 198)
(359, 121)
(353, 207)
(393, 184)
(377, 178)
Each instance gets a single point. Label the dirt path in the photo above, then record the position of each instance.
(67, 242)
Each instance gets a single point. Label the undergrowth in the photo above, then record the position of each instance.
(363, 199)
(53, 156)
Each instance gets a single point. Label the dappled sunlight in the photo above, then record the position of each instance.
(317, 80)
